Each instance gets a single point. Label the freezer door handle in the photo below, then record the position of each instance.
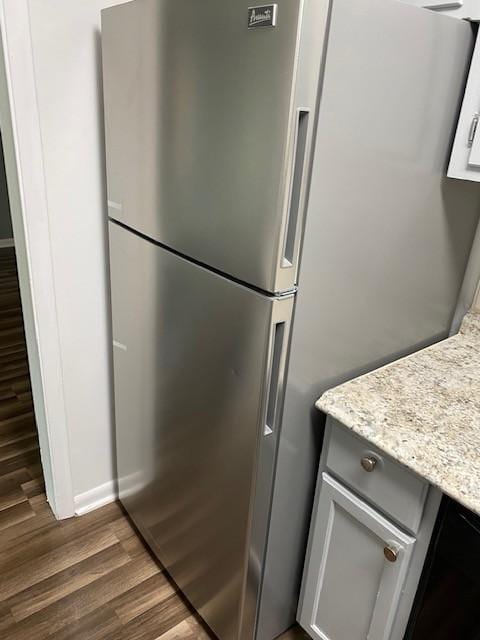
(295, 187)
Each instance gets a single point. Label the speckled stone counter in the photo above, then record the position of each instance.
(424, 411)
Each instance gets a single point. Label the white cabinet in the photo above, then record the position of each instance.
(356, 568)
(465, 158)
(455, 8)
(371, 527)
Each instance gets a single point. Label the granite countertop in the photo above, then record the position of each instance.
(424, 411)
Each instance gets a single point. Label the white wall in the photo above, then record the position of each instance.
(67, 60)
(66, 55)
(26, 187)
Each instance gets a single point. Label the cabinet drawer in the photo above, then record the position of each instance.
(389, 486)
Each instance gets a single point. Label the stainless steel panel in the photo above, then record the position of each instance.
(195, 370)
(386, 242)
(201, 116)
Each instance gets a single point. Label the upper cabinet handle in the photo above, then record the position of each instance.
(473, 129)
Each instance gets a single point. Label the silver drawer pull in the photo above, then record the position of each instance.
(391, 552)
(368, 463)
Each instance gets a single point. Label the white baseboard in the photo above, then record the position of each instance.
(6, 242)
(95, 498)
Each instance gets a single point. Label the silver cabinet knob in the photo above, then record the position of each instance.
(391, 552)
(368, 463)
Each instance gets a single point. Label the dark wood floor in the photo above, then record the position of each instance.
(88, 578)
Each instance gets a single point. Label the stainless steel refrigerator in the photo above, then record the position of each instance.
(235, 135)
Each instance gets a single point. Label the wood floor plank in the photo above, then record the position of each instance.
(38, 502)
(11, 538)
(12, 407)
(41, 567)
(101, 624)
(6, 620)
(63, 583)
(18, 536)
(6, 394)
(188, 629)
(18, 424)
(83, 602)
(22, 386)
(16, 477)
(129, 538)
(143, 597)
(123, 528)
(156, 621)
(15, 514)
(26, 460)
(13, 349)
(18, 447)
(34, 466)
(11, 497)
(135, 547)
(34, 487)
(16, 438)
(19, 544)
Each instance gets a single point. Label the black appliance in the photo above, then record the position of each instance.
(447, 606)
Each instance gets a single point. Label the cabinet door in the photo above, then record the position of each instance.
(356, 567)
(465, 158)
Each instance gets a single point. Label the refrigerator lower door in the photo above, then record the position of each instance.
(208, 120)
(199, 364)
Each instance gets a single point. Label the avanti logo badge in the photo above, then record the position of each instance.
(262, 16)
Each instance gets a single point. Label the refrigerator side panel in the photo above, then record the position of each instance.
(386, 242)
(194, 364)
(202, 126)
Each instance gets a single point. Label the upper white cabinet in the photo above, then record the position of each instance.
(465, 158)
(458, 8)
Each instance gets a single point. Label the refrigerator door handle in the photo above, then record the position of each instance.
(275, 371)
(277, 361)
(269, 422)
(295, 191)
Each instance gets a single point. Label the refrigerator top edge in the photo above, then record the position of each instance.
(209, 127)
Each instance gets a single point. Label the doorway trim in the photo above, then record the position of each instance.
(20, 126)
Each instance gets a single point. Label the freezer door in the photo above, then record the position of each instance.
(199, 365)
(207, 130)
